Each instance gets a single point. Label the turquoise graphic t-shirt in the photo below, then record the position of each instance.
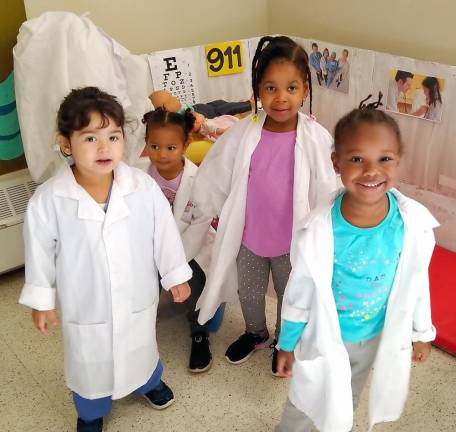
(365, 263)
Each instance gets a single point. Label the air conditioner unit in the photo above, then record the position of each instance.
(16, 188)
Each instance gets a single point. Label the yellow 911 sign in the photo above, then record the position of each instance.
(224, 58)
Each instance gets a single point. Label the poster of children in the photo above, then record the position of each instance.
(414, 94)
(174, 71)
(330, 67)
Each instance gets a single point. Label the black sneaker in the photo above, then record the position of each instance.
(241, 350)
(200, 356)
(91, 426)
(160, 397)
(275, 351)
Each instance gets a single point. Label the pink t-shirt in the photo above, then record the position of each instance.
(269, 211)
(168, 187)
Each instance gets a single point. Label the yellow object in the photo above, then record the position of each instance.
(224, 58)
(196, 150)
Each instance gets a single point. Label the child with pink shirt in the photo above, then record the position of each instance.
(262, 177)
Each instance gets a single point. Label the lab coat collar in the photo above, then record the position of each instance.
(183, 192)
(301, 128)
(253, 133)
(124, 183)
(415, 215)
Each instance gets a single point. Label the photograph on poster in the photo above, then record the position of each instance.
(330, 67)
(415, 94)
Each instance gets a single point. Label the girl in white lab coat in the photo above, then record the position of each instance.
(167, 137)
(358, 294)
(262, 177)
(84, 252)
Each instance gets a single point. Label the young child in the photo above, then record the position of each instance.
(84, 252)
(332, 67)
(167, 137)
(358, 295)
(323, 63)
(314, 60)
(262, 177)
(344, 67)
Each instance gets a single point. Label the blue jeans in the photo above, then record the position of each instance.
(91, 409)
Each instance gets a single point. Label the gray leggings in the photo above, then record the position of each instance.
(253, 280)
(362, 356)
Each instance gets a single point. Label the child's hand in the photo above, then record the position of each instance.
(180, 292)
(421, 351)
(285, 362)
(42, 319)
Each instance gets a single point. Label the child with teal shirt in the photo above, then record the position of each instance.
(358, 294)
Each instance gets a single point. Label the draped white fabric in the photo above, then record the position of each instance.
(59, 51)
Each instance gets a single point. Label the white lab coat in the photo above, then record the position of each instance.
(220, 188)
(102, 268)
(58, 52)
(197, 235)
(321, 385)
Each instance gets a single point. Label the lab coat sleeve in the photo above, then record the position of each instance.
(300, 289)
(168, 250)
(195, 235)
(40, 253)
(213, 182)
(423, 330)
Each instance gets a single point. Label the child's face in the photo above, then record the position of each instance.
(315, 49)
(282, 91)
(333, 56)
(96, 150)
(368, 162)
(165, 148)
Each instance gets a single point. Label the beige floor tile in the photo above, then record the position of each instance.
(24, 404)
(244, 398)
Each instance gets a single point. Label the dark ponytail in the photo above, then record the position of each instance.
(161, 118)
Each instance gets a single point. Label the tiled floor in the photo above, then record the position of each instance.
(243, 398)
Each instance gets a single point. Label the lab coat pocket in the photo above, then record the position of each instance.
(90, 343)
(310, 373)
(142, 325)
(309, 379)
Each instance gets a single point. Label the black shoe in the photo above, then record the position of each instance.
(241, 350)
(200, 356)
(160, 397)
(91, 426)
(275, 351)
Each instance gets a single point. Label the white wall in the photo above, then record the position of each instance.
(144, 26)
(420, 29)
(413, 28)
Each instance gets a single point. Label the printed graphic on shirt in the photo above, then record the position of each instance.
(361, 287)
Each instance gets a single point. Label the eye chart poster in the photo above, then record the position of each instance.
(174, 71)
